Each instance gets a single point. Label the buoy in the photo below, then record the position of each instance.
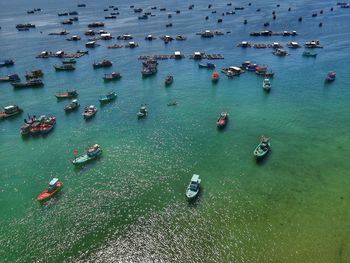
(274, 17)
(245, 21)
(289, 9)
(320, 24)
(300, 19)
(207, 17)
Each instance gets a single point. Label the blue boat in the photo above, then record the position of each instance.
(6, 63)
(206, 65)
(108, 97)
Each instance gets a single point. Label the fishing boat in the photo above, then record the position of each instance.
(74, 105)
(222, 120)
(11, 78)
(113, 76)
(89, 112)
(266, 84)
(263, 148)
(66, 94)
(42, 125)
(70, 61)
(148, 71)
(35, 74)
(64, 67)
(206, 65)
(215, 77)
(9, 111)
(194, 187)
(309, 54)
(280, 52)
(28, 84)
(7, 63)
(108, 97)
(172, 103)
(330, 76)
(54, 187)
(142, 112)
(262, 71)
(103, 64)
(91, 153)
(168, 80)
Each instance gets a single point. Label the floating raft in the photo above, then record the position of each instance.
(271, 33)
(50, 54)
(258, 45)
(207, 56)
(179, 56)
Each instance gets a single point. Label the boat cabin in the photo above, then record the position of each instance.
(59, 53)
(197, 55)
(244, 44)
(11, 109)
(235, 69)
(276, 45)
(106, 36)
(52, 185)
(207, 33)
(178, 55)
(195, 181)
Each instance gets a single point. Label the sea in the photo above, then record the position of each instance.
(130, 205)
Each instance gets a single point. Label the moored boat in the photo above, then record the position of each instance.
(89, 112)
(266, 84)
(215, 77)
(194, 187)
(263, 148)
(142, 112)
(330, 76)
(35, 74)
(108, 97)
(28, 84)
(70, 61)
(172, 103)
(42, 125)
(222, 120)
(103, 64)
(9, 111)
(64, 67)
(11, 78)
(168, 80)
(7, 63)
(91, 153)
(74, 105)
(113, 76)
(66, 94)
(206, 65)
(309, 54)
(54, 187)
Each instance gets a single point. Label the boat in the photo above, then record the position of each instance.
(309, 54)
(54, 187)
(222, 120)
(262, 71)
(108, 97)
(64, 67)
(83, 52)
(194, 187)
(280, 52)
(172, 103)
(28, 84)
(148, 71)
(103, 64)
(206, 65)
(330, 76)
(215, 77)
(42, 125)
(92, 152)
(168, 80)
(11, 78)
(266, 84)
(113, 76)
(263, 148)
(9, 111)
(89, 112)
(142, 112)
(70, 61)
(35, 74)
(74, 105)
(66, 94)
(7, 63)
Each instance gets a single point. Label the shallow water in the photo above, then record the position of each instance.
(129, 205)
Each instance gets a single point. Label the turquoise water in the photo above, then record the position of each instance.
(129, 206)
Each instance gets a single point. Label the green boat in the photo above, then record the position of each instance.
(92, 152)
(263, 148)
(309, 54)
(108, 97)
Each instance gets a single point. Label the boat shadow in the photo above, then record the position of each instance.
(263, 160)
(84, 168)
(195, 202)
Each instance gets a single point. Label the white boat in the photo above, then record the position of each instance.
(267, 84)
(142, 112)
(92, 152)
(193, 187)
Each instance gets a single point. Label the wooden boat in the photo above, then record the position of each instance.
(263, 148)
(92, 152)
(66, 94)
(89, 112)
(70, 61)
(168, 80)
(266, 85)
(150, 63)
(330, 76)
(103, 64)
(108, 97)
(309, 54)
(74, 105)
(7, 63)
(28, 84)
(64, 67)
(35, 74)
(215, 77)
(194, 187)
(11, 78)
(262, 71)
(148, 71)
(42, 125)
(113, 76)
(9, 111)
(206, 65)
(142, 112)
(280, 52)
(54, 187)
(172, 103)
(222, 120)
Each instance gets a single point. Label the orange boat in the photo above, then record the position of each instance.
(215, 77)
(54, 187)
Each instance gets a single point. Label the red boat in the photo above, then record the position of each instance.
(222, 121)
(54, 187)
(215, 77)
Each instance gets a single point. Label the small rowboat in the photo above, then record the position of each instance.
(309, 54)
(215, 77)
(222, 120)
(331, 76)
(168, 80)
(263, 148)
(108, 97)
(54, 187)
(89, 112)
